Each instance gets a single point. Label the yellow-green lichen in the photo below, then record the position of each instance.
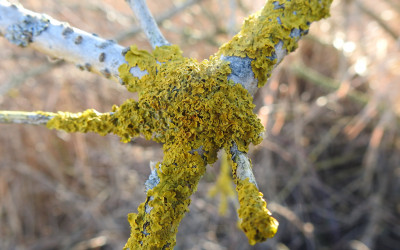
(255, 219)
(188, 106)
(194, 110)
(89, 120)
(262, 31)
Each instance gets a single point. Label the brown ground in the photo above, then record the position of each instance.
(328, 167)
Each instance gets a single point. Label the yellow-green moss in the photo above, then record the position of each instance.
(264, 29)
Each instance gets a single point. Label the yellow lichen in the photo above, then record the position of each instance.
(189, 107)
(274, 23)
(194, 110)
(255, 219)
(89, 120)
(186, 105)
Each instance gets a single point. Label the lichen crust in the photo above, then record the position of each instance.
(23, 32)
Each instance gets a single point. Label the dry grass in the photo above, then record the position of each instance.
(329, 165)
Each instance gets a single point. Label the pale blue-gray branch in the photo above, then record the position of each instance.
(57, 39)
(147, 22)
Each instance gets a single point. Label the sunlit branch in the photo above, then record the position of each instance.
(21, 117)
(147, 23)
(57, 39)
(243, 167)
(164, 16)
(267, 37)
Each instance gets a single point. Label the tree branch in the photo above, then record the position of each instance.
(243, 165)
(264, 40)
(21, 117)
(377, 18)
(262, 43)
(164, 16)
(57, 39)
(267, 37)
(255, 219)
(148, 23)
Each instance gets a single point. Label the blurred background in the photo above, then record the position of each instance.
(329, 166)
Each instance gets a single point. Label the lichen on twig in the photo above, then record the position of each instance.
(188, 105)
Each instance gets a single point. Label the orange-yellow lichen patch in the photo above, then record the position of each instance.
(279, 20)
(188, 102)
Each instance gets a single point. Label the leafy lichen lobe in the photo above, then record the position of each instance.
(88, 121)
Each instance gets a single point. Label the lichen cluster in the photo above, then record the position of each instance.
(23, 32)
(88, 121)
(193, 110)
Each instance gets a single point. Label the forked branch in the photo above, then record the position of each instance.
(187, 106)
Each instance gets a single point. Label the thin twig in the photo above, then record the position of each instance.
(371, 158)
(306, 228)
(243, 168)
(232, 19)
(147, 22)
(164, 16)
(395, 5)
(258, 225)
(21, 117)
